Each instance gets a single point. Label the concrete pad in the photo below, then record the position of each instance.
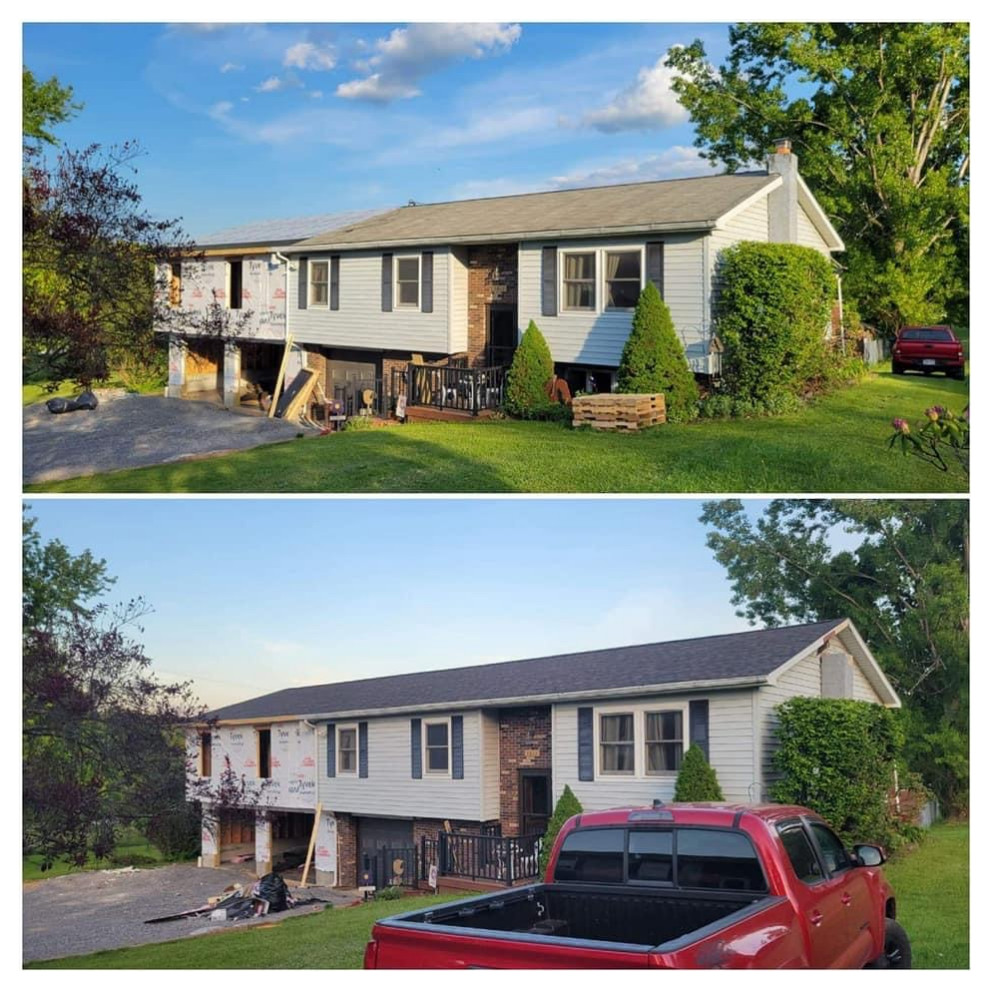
(128, 431)
(106, 909)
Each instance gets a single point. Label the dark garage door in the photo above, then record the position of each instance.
(381, 841)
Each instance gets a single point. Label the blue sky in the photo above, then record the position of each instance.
(252, 595)
(257, 121)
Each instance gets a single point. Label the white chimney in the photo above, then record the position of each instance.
(783, 201)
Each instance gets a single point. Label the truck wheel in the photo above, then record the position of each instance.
(898, 368)
(896, 948)
(959, 374)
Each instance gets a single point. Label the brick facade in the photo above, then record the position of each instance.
(347, 851)
(523, 743)
(493, 276)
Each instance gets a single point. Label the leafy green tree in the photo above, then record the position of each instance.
(653, 358)
(567, 806)
(529, 375)
(902, 576)
(44, 106)
(697, 780)
(879, 116)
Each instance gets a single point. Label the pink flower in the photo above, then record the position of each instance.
(901, 425)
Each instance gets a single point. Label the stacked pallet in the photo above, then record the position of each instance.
(614, 411)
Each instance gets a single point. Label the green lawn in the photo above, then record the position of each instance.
(132, 848)
(836, 445)
(931, 883)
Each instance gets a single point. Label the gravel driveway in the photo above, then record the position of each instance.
(92, 910)
(128, 431)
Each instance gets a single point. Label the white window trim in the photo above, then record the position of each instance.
(685, 728)
(310, 302)
(396, 303)
(357, 750)
(604, 269)
(638, 712)
(562, 289)
(600, 281)
(427, 772)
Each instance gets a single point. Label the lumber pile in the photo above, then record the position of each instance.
(615, 411)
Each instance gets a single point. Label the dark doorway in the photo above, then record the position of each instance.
(502, 335)
(236, 284)
(534, 801)
(386, 854)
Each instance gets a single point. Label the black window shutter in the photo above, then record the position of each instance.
(457, 747)
(586, 744)
(386, 283)
(335, 281)
(331, 750)
(549, 280)
(416, 746)
(303, 282)
(362, 749)
(654, 264)
(426, 282)
(698, 711)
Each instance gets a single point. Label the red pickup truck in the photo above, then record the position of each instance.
(928, 349)
(683, 886)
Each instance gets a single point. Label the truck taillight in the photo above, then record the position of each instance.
(371, 955)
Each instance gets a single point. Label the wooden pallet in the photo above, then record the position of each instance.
(615, 411)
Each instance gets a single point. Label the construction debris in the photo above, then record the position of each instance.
(85, 400)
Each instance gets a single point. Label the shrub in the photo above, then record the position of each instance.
(653, 359)
(388, 894)
(773, 308)
(526, 383)
(567, 806)
(360, 423)
(696, 780)
(176, 832)
(837, 757)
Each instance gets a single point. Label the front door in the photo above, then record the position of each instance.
(503, 335)
(534, 801)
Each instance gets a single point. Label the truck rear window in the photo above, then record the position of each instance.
(926, 333)
(695, 858)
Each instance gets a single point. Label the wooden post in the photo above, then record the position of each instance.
(312, 843)
(281, 373)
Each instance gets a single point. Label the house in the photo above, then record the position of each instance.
(461, 280)
(485, 751)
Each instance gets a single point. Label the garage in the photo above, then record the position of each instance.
(386, 852)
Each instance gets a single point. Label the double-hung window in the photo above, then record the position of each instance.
(623, 274)
(617, 743)
(664, 741)
(319, 283)
(579, 280)
(347, 754)
(437, 746)
(407, 281)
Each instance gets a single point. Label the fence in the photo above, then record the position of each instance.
(468, 390)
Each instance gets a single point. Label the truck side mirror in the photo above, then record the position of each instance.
(868, 855)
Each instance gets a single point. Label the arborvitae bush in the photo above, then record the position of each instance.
(772, 312)
(696, 780)
(567, 806)
(653, 359)
(531, 371)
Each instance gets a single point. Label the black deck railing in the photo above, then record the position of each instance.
(468, 390)
(501, 859)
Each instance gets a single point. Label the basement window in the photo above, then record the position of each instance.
(579, 281)
(319, 282)
(617, 744)
(205, 754)
(236, 283)
(347, 749)
(622, 279)
(664, 741)
(407, 281)
(264, 753)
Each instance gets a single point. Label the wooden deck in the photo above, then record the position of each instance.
(420, 413)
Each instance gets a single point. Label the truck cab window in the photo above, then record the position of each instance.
(651, 856)
(802, 856)
(592, 855)
(833, 852)
(715, 859)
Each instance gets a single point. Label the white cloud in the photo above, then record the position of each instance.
(649, 104)
(271, 85)
(231, 67)
(306, 55)
(316, 94)
(410, 53)
(677, 162)
(220, 110)
(495, 126)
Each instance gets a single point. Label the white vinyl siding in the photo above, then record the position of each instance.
(391, 790)
(862, 688)
(730, 726)
(490, 767)
(458, 280)
(360, 322)
(596, 337)
(807, 233)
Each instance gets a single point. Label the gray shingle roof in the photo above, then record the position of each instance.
(711, 658)
(288, 231)
(667, 205)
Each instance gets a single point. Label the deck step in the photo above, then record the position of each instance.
(422, 413)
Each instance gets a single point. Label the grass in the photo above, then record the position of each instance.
(931, 882)
(836, 445)
(132, 847)
(333, 939)
(38, 392)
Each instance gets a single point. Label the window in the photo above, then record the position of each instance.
(319, 282)
(622, 279)
(833, 852)
(264, 753)
(715, 859)
(347, 749)
(651, 856)
(592, 855)
(664, 741)
(617, 745)
(926, 334)
(437, 746)
(205, 754)
(579, 281)
(802, 856)
(407, 281)
(236, 283)
(175, 284)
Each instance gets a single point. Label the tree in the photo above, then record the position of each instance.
(696, 780)
(44, 105)
(567, 806)
(879, 115)
(529, 375)
(653, 358)
(905, 584)
(100, 748)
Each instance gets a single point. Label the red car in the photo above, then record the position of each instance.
(928, 349)
(683, 886)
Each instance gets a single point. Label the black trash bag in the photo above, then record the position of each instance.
(58, 405)
(87, 400)
(273, 889)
